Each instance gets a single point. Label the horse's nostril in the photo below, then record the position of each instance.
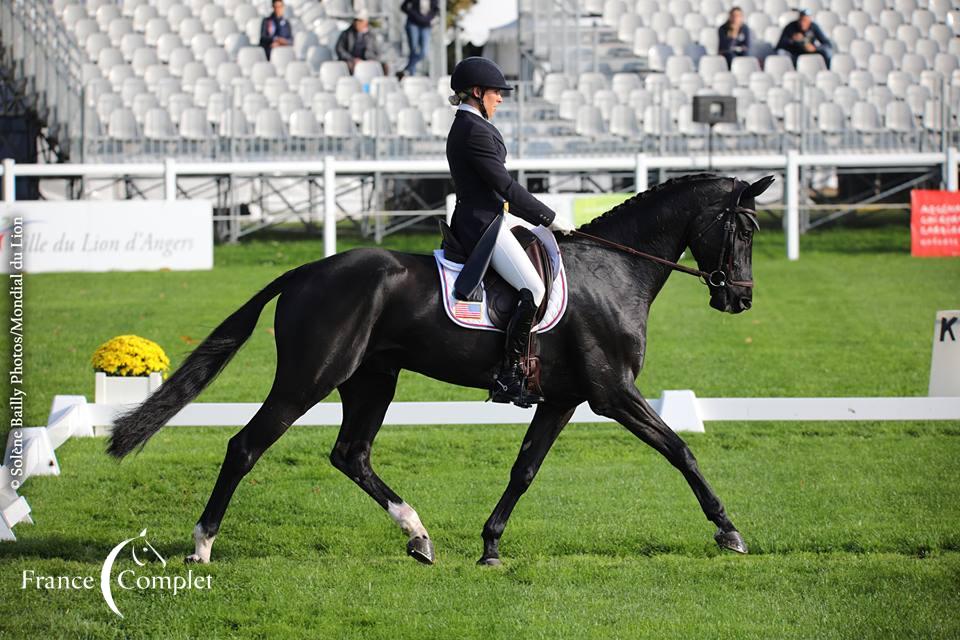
(745, 303)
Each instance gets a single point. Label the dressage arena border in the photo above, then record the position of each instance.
(31, 451)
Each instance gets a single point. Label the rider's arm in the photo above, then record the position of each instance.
(482, 150)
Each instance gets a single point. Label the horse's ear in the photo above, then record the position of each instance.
(757, 187)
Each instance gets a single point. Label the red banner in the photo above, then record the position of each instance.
(934, 223)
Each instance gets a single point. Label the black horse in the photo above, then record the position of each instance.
(354, 320)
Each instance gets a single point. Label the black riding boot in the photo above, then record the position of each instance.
(510, 384)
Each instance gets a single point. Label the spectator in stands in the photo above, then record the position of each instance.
(420, 13)
(804, 36)
(358, 42)
(734, 36)
(275, 31)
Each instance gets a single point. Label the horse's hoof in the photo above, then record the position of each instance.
(195, 559)
(489, 562)
(731, 540)
(421, 550)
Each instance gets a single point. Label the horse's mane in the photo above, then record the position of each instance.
(614, 215)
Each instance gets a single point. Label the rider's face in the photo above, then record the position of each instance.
(491, 100)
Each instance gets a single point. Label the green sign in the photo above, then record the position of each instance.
(586, 208)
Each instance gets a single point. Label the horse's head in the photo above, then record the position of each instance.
(721, 239)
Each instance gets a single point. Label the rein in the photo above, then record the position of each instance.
(703, 275)
(715, 278)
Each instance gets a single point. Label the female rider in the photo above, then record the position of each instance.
(476, 155)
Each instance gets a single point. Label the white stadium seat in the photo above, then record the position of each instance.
(441, 121)
(252, 104)
(177, 104)
(623, 122)
(346, 86)
(269, 125)
(233, 123)
(898, 117)
(157, 125)
(281, 57)
(122, 125)
(331, 72)
(337, 123)
(712, 65)
(303, 124)
(359, 103)
(367, 70)
(865, 117)
(570, 101)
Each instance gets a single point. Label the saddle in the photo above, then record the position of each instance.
(501, 298)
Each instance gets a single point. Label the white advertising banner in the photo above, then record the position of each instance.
(127, 235)
(945, 363)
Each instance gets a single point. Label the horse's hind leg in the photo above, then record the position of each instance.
(632, 411)
(366, 396)
(277, 413)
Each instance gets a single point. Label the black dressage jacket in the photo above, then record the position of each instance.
(476, 155)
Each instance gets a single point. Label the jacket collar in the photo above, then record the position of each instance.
(466, 108)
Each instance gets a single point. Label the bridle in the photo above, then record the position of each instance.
(728, 216)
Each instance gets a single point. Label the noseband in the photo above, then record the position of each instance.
(717, 277)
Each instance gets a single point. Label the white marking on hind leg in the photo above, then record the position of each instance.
(404, 515)
(203, 544)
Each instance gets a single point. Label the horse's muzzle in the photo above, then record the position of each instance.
(728, 302)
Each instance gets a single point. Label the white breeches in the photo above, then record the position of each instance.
(513, 265)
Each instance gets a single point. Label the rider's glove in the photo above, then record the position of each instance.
(560, 224)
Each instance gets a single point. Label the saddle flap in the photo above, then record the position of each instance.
(502, 298)
(537, 254)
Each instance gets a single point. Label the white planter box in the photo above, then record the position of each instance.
(125, 389)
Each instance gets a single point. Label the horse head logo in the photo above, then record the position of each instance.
(140, 543)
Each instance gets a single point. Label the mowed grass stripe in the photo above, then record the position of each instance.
(849, 534)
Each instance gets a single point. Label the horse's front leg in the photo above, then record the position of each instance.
(548, 422)
(629, 408)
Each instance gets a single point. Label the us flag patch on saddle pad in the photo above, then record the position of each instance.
(467, 310)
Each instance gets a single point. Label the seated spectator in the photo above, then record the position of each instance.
(358, 42)
(804, 36)
(734, 36)
(420, 13)
(275, 30)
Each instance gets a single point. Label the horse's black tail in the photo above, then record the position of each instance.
(134, 427)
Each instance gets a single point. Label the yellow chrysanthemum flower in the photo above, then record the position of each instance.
(130, 355)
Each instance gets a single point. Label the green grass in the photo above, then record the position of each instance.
(852, 527)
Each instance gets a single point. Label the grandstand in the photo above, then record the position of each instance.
(122, 80)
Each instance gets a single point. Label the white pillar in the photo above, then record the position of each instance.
(329, 207)
(640, 173)
(793, 205)
(951, 167)
(169, 179)
(9, 190)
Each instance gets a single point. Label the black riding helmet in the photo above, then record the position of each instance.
(477, 72)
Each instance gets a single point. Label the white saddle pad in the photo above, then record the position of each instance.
(473, 315)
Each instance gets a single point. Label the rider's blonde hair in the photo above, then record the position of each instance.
(458, 98)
